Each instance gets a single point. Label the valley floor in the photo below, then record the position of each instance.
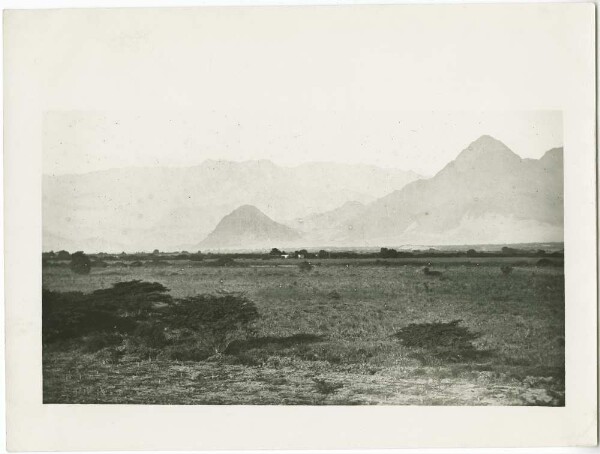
(326, 336)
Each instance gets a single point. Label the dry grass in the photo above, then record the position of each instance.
(313, 348)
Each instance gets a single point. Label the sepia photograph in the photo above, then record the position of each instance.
(300, 227)
(416, 262)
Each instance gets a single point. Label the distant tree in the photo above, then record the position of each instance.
(509, 251)
(388, 253)
(323, 254)
(471, 253)
(63, 255)
(540, 252)
(80, 263)
(155, 252)
(275, 251)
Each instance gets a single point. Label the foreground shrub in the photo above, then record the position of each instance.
(114, 310)
(216, 320)
(135, 298)
(70, 315)
(143, 320)
(443, 340)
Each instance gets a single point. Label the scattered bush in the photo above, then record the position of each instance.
(63, 255)
(225, 261)
(506, 269)
(305, 267)
(80, 263)
(443, 340)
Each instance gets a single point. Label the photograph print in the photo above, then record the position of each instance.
(247, 256)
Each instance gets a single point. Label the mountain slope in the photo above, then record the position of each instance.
(487, 194)
(320, 228)
(247, 228)
(170, 208)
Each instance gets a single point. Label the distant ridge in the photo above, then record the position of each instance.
(172, 208)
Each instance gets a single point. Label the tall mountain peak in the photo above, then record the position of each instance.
(485, 152)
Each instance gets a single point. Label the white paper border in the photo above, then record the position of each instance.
(33, 426)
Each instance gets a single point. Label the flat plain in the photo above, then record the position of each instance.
(328, 335)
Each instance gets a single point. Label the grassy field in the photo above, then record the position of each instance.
(326, 336)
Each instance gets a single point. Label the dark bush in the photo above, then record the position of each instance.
(506, 269)
(70, 315)
(443, 340)
(80, 263)
(305, 266)
(216, 320)
(135, 297)
(63, 255)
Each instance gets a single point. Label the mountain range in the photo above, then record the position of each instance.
(488, 194)
(141, 209)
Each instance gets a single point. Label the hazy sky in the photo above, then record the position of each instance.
(76, 142)
(291, 84)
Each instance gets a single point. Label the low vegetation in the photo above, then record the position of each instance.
(353, 331)
(141, 319)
